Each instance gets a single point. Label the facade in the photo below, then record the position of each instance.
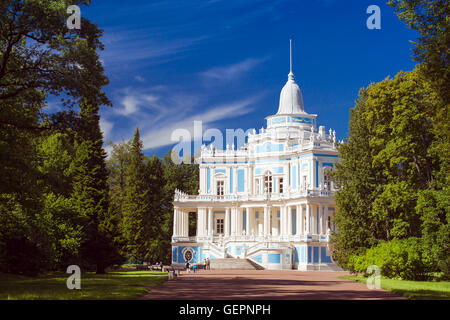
(271, 201)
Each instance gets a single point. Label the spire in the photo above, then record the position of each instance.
(291, 99)
(291, 74)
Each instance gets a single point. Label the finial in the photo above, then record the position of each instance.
(291, 74)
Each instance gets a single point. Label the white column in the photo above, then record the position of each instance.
(203, 180)
(227, 222)
(266, 221)
(320, 219)
(210, 222)
(175, 233)
(299, 220)
(181, 224)
(183, 230)
(233, 221)
(308, 218)
(204, 225)
(247, 221)
(289, 222)
(239, 222)
(250, 180)
(282, 220)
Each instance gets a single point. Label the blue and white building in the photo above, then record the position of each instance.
(271, 201)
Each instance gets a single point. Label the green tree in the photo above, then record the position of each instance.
(40, 57)
(357, 181)
(385, 164)
(137, 211)
(90, 192)
(430, 19)
(117, 165)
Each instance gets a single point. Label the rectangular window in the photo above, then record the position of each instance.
(219, 226)
(281, 185)
(268, 184)
(220, 188)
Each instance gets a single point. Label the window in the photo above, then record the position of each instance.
(304, 182)
(220, 188)
(268, 183)
(326, 180)
(281, 185)
(219, 226)
(329, 222)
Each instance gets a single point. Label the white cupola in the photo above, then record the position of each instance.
(291, 99)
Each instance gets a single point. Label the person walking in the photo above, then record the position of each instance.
(208, 264)
(204, 264)
(188, 270)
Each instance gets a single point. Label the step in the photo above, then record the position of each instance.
(231, 264)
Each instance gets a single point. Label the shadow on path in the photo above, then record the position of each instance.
(264, 285)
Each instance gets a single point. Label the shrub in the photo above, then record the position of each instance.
(403, 259)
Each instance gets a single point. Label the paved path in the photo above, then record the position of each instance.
(264, 284)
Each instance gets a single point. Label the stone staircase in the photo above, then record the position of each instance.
(233, 264)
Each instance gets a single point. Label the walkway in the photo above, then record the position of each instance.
(264, 284)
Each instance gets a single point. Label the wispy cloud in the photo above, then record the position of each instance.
(159, 111)
(131, 48)
(231, 72)
(161, 135)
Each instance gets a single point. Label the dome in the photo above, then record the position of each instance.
(291, 99)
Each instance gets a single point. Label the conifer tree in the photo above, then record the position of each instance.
(136, 225)
(91, 191)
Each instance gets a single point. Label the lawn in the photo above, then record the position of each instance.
(417, 290)
(113, 285)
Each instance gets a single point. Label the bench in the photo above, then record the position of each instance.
(141, 267)
(157, 267)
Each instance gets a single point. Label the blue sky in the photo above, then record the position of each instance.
(225, 62)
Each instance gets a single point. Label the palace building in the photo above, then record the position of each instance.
(270, 201)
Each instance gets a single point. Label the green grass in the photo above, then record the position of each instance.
(113, 285)
(417, 290)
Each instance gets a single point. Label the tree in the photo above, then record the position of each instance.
(39, 53)
(44, 221)
(385, 164)
(357, 181)
(117, 165)
(90, 192)
(137, 211)
(430, 19)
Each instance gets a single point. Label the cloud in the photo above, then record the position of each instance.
(130, 48)
(161, 136)
(139, 78)
(106, 127)
(231, 72)
(159, 111)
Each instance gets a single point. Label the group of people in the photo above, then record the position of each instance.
(206, 266)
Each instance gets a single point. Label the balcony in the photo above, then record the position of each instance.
(183, 197)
